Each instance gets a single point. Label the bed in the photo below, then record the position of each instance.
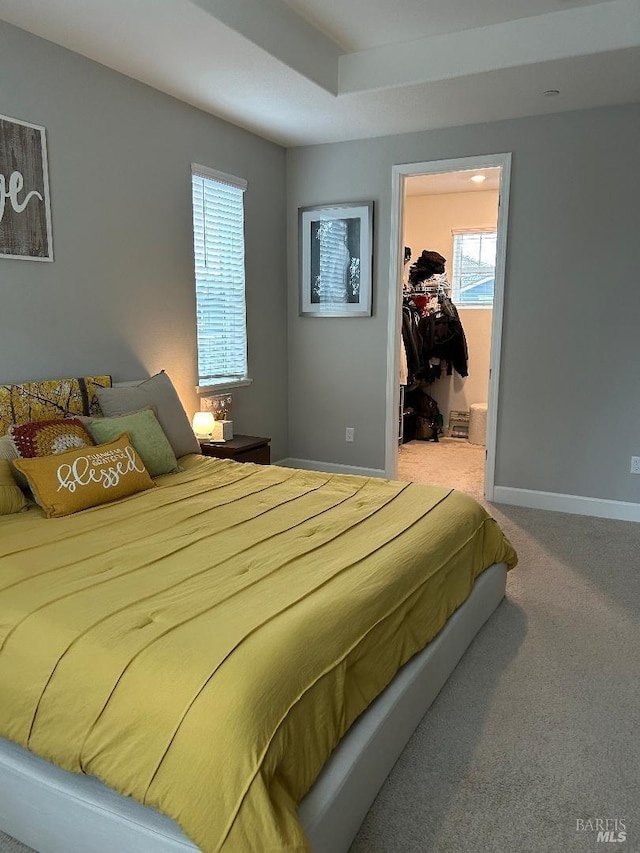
(232, 660)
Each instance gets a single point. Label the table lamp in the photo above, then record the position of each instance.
(204, 425)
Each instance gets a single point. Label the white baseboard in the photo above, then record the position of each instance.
(329, 467)
(575, 504)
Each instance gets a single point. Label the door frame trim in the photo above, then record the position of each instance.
(396, 262)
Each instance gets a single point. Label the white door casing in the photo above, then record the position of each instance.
(399, 174)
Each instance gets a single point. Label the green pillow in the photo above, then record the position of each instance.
(147, 437)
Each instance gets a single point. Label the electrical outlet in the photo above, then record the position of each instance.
(350, 434)
(635, 464)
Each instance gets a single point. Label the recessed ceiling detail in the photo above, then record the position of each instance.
(299, 72)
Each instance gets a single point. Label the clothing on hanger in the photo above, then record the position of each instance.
(432, 332)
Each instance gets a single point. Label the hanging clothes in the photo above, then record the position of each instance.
(404, 367)
(433, 337)
(412, 339)
(443, 337)
(432, 332)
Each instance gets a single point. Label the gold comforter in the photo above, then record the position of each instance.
(203, 646)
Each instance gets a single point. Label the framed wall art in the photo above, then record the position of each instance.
(25, 212)
(336, 246)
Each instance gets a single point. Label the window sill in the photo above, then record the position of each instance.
(212, 390)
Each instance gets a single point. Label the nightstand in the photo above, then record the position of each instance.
(241, 448)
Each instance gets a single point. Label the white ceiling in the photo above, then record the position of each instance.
(302, 71)
(360, 24)
(452, 182)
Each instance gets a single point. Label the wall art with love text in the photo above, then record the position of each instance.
(25, 212)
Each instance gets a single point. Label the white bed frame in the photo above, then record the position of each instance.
(54, 811)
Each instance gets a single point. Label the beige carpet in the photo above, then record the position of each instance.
(537, 727)
(447, 462)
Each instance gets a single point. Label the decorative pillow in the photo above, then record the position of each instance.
(8, 453)
(46, 438)
(89, 476)
(11, 497)
(147, 436)
(157, 391)
(51, 398)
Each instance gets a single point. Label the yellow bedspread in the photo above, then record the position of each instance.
(203, 646)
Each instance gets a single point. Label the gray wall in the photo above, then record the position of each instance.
(119, 296)
(569, 415)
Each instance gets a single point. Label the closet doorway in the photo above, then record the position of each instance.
(451, 213)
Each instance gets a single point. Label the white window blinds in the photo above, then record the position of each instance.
(218, 236)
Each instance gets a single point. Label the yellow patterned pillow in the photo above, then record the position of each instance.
(86, 477)
(11, 497)
(53, 398)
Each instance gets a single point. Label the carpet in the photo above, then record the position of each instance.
(447, 462)
(537, 728)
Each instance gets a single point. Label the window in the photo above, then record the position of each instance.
(474, 268)
(218, 237)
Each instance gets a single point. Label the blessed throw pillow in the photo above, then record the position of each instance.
(147, 436)
(157, 391)
(46, 438)
(90, 476)
(11, 496)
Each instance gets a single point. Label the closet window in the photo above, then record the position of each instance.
(218, 237)
(474, 268)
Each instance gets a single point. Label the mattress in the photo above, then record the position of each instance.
(259, 610)
(53, 811)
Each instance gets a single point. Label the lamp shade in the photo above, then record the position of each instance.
(203, 424)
